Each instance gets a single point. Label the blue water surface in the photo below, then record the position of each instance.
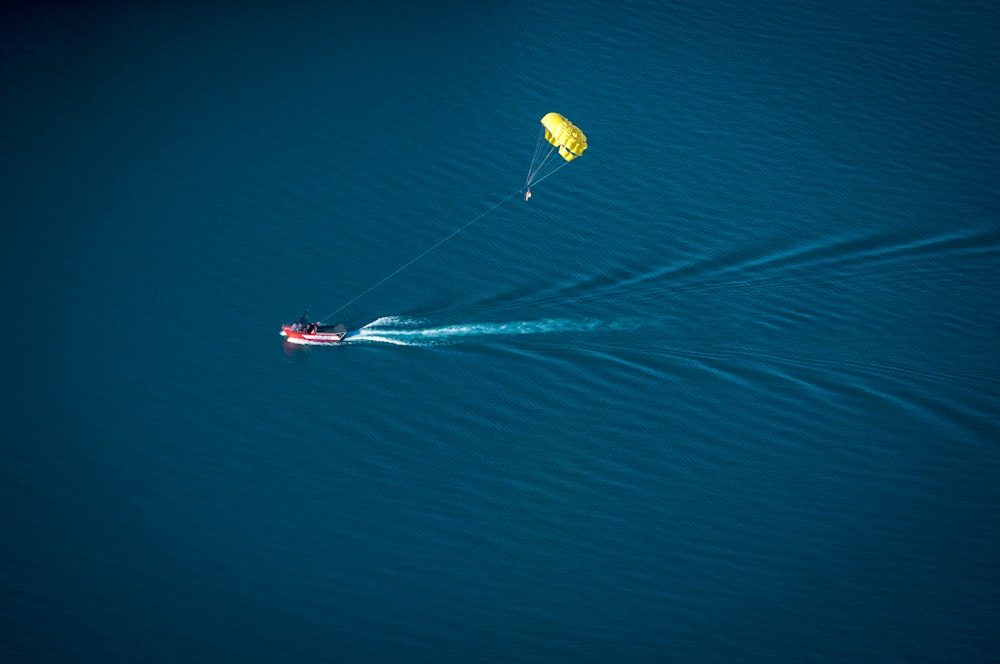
(725, 389)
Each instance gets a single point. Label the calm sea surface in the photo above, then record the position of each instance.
(726, 389)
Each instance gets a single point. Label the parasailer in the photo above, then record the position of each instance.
(561, 134)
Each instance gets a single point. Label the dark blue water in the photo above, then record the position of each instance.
(726, 389)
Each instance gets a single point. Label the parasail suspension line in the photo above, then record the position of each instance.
(550, 173)
(538, 149)
(531, 178)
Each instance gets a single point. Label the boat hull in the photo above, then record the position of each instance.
(297, 335)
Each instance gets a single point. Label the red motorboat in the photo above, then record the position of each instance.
(304, 332)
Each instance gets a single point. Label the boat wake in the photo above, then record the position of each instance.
(409, 332)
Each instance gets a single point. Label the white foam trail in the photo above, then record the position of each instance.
(378, 339)
(395, 321)
(401, 331)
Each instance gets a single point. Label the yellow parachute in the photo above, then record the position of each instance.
(566, 136)
(560, 133)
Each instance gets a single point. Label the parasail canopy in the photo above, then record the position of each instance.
(566, 136)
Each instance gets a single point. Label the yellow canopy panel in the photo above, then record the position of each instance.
(565, 135)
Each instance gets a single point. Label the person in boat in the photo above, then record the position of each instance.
(527, 195)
